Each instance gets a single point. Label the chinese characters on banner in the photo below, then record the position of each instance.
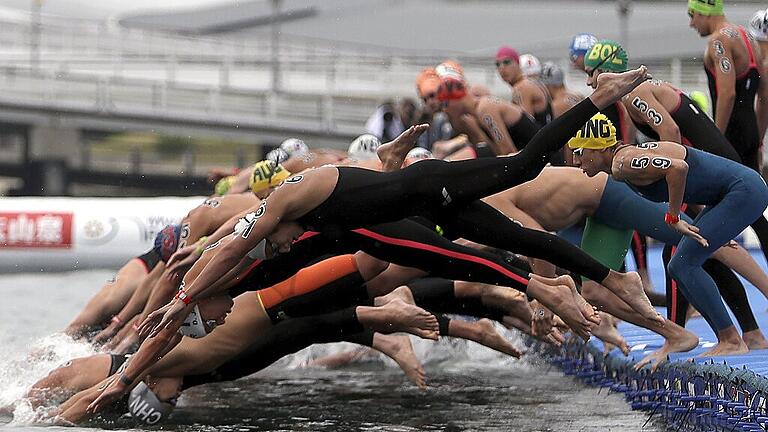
(35, 230)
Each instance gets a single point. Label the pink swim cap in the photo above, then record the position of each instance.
(507, 52)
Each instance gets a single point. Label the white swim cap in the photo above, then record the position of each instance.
(194, 326)
(364, 147)
(758, 25)
(417, 154)
(146, 407)
(277, 156)
(294, 146)
(529, 65)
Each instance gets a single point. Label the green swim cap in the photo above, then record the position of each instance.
(606, 55)
(706, 7)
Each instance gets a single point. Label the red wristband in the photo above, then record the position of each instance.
(182, 295)
(671, 219)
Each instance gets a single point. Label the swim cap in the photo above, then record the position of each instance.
(606, 55)
(427, 81)
(294, 146)
(758, 25)
(166, 241)
(580, 44)
(507, 52)
(706, 7)
(223, 185)
(452, 83)
(551, 74)
(266, 174)
(597, 134)
(146, 407)
(700, 99)
(364, 147)
(416, 154)
(529, 65)
(277, 155)
(194, 325)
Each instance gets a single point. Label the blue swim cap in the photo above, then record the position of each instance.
(166, 241)
(580, 44)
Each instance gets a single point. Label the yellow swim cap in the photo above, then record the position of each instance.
(706, 7)
(267, 173)
(701, 100)
(598, 133)
(223, 185)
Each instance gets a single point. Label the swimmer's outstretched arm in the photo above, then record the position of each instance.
(152, 350)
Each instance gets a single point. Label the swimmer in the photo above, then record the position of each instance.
(562, 99)
(530, 95)
(309, 201)
(580, 44)
(503, 126)
(665, 171)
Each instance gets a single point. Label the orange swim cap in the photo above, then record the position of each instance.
(427, 82)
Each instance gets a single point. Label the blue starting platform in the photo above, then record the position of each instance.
(689, 393)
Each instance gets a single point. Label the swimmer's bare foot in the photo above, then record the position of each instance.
(755, 340)
(399, 349)
(629, 287)
(403, 293)
(608, 333)
(727, 347)
(681, 341)
(488, 336)
(399, 316)
(392, 154)
(560, 300)
(511, 301)
(612, 86)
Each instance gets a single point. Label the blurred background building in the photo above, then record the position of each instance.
(145, 97)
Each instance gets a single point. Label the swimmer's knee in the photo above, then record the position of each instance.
(678, 267)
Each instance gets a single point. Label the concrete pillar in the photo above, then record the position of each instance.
(56, 141)
(47, 178)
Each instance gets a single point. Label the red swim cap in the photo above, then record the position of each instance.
(507, 52)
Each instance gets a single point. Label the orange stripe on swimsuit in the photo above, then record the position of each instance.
(308, 279)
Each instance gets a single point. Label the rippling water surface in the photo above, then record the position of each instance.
(471, 388)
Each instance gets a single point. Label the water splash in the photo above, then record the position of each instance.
(22, 368)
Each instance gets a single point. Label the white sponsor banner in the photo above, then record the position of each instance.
(62, 234)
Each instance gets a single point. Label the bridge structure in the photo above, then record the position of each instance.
(64, 81)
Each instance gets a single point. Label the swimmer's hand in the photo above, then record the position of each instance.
(182, 260)
(543, 320)
(113, 392)
(162, 318)
(689, 230)
(107, 334)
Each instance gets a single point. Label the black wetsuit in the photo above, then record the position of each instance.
(448, 193)
(696, 130)
(742, 130)
(404, 242)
